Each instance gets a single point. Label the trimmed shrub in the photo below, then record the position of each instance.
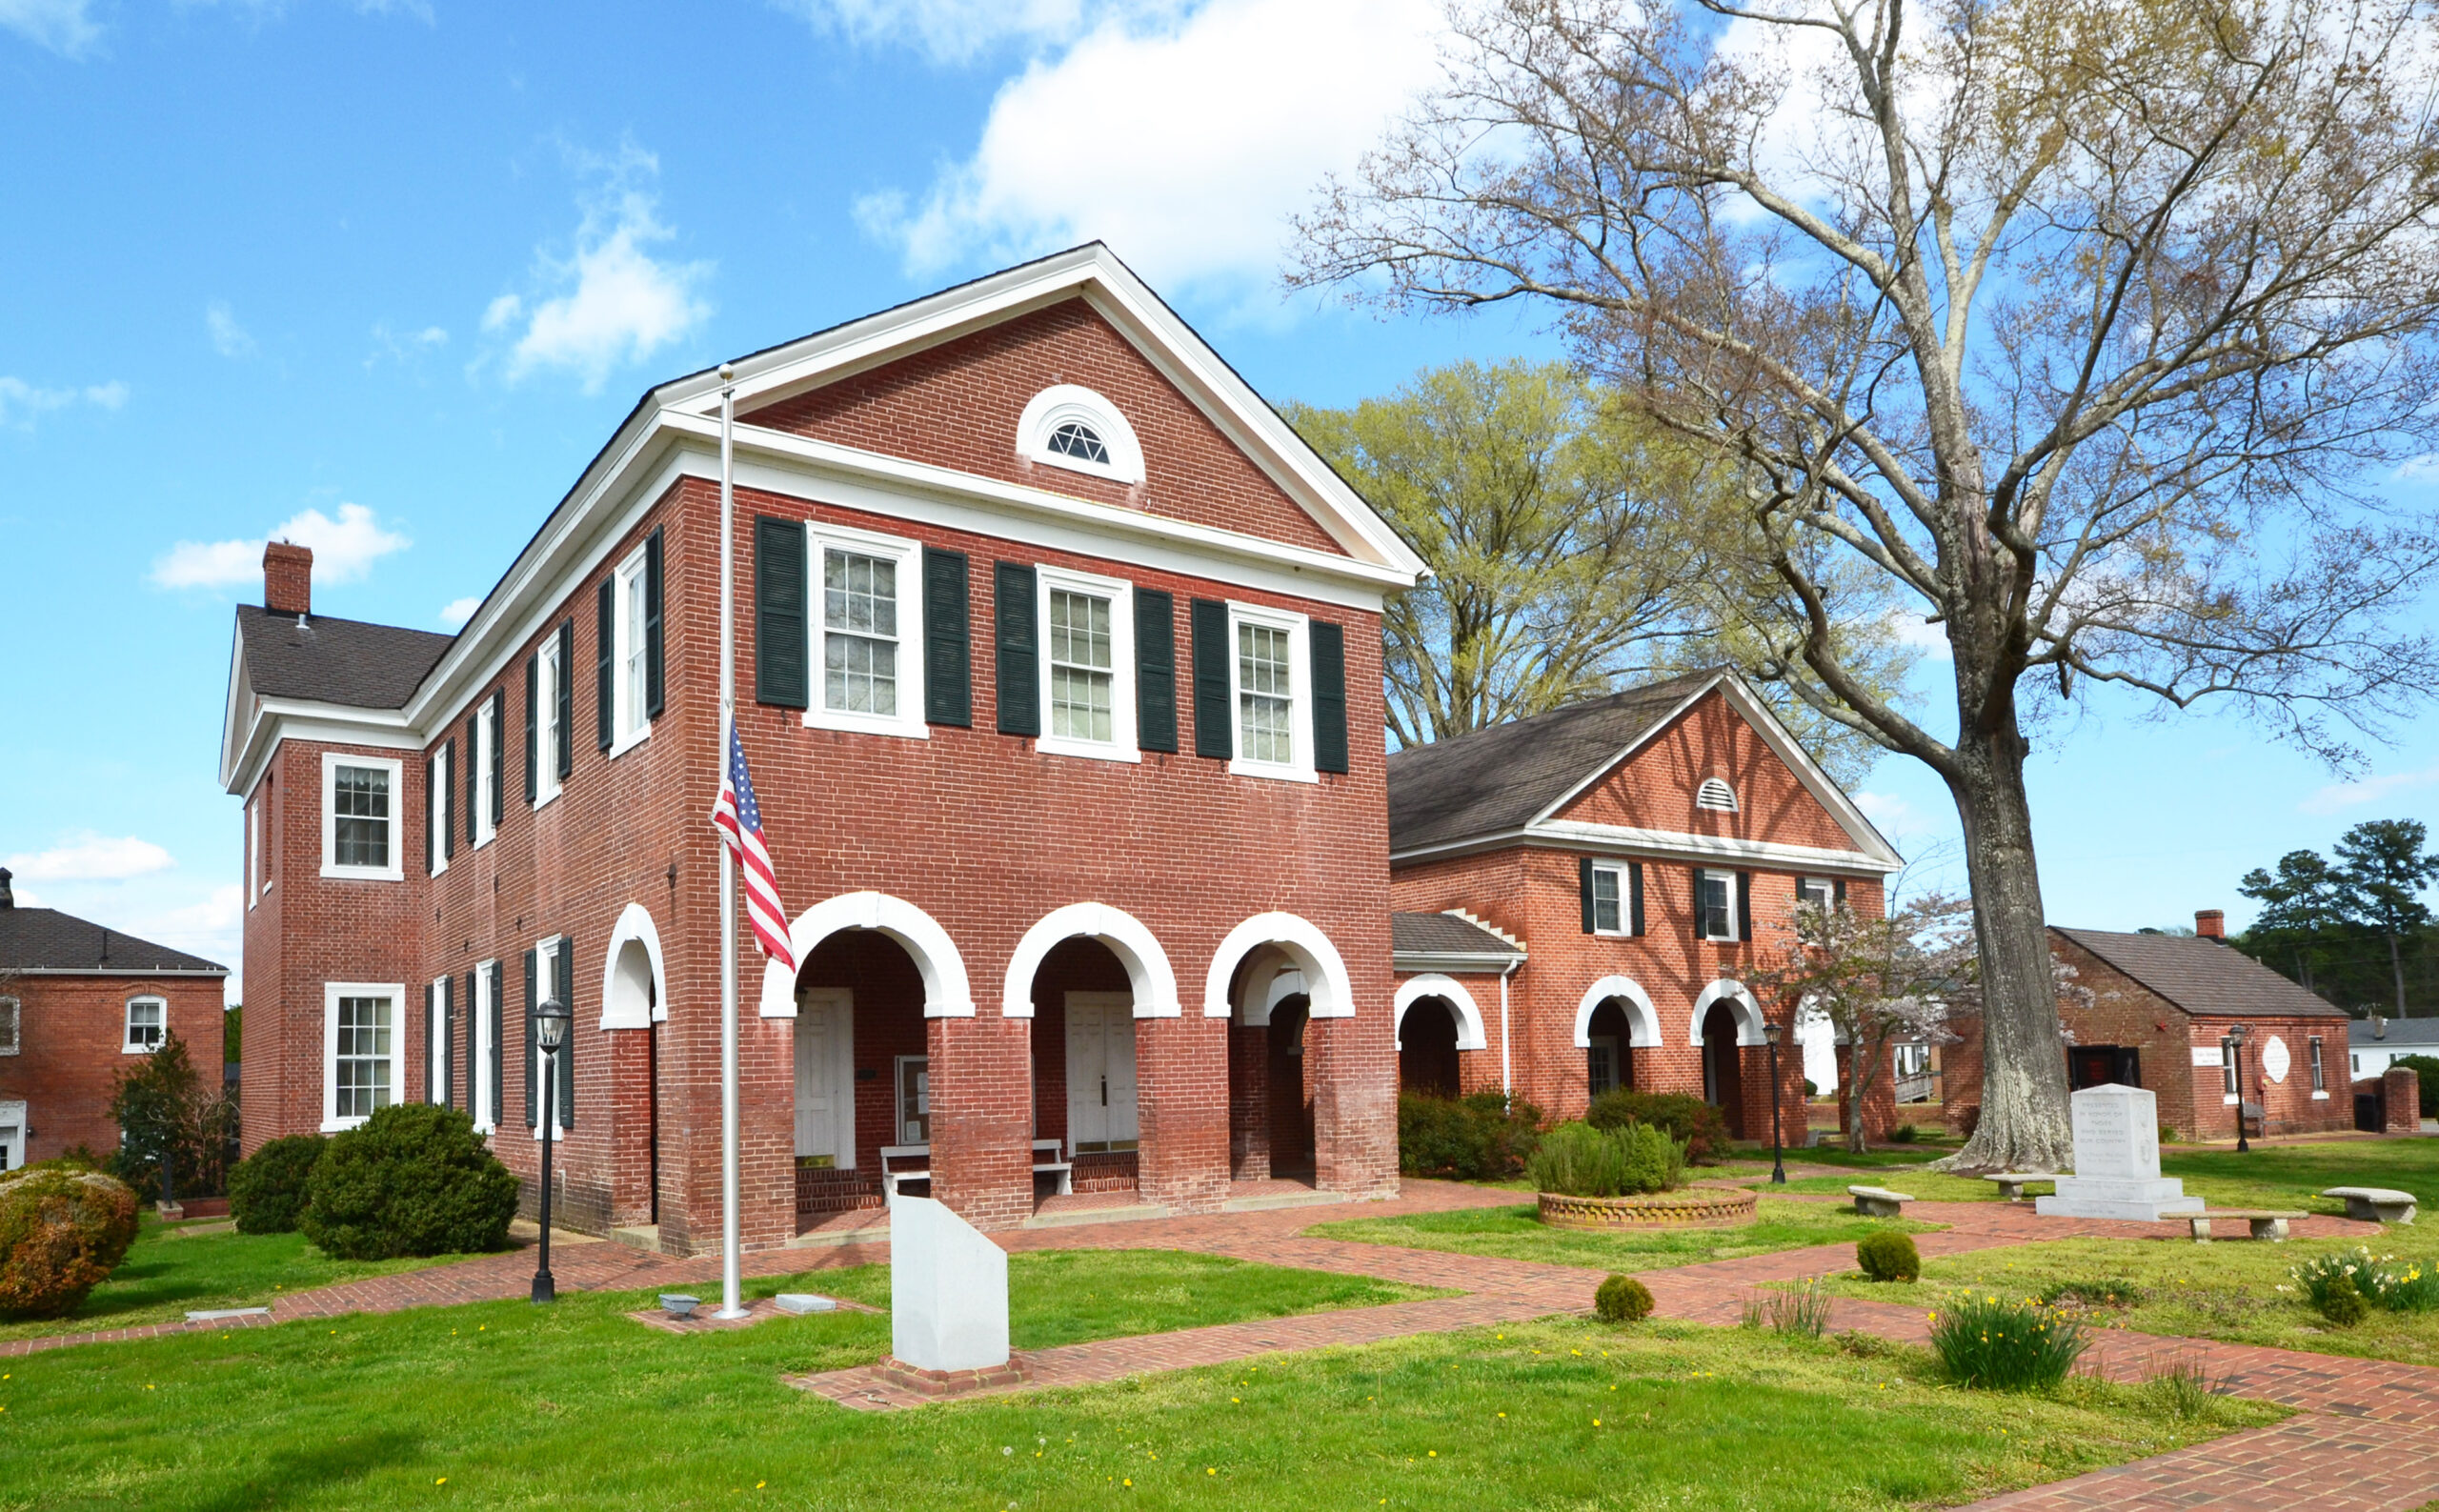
(1889, 1257)
(2002, 1345)
(62, 1232)
(267, 1188)
(411, 1180)
(1700, 1128)
(1623, 1299)
(2342, 1302)
(1575, 1159)
(1481, 1138)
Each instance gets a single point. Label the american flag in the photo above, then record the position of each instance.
(737, 813)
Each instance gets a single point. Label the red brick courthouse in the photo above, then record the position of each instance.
(1058, 671)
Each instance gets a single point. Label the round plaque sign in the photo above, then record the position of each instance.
(2274, 1061)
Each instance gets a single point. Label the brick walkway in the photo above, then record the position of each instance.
(2365, 1435)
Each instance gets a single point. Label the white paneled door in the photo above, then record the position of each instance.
(1100, 1071)
(826, 1075)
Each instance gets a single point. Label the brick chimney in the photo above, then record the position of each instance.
(2210, 923)
(288, 578)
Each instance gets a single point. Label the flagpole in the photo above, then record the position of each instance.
(730, 1306)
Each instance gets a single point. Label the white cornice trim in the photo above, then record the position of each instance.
(277, 719)
(1489, 963)
(117, 971)
(1618, 839)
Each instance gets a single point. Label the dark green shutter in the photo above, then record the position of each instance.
(531, 1003)
(1215, 733)
(782, 643)
(498, 1050)
(1155, 670)
(564, 695)
(1018, 649)
(564, 988)
(1328, 654)
(499, 757)
(1634, 894)
(449, 799)
(532, 723)
(655, 687)
(1837, 892)
(605, 693)
(1583, 893)
(948, 655)
(1745, 905)
(474, 790)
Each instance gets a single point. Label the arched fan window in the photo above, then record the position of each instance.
(1715, 794)
(1081, 441)
(1072, 427)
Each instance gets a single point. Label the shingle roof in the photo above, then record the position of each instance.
(1444, 934)
(2204, 975)
(46, 939)
(2400, 1032)
(329, 660)
(1493, 780)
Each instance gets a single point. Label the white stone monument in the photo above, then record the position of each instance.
(2117, 1160)
(947, 1290)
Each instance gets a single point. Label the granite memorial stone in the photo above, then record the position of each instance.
(2117, 1160)
(947, 1290)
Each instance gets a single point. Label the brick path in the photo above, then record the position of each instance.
(2365, 1435)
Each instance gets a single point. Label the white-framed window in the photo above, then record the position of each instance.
(435, 1030)
(1715, 905)
(546, 976)
(867, 628)
(1270, 687)
(360, 1054)
(1818, 891)
(1087, 665)
(1715, 794)
(253, 853)
(148, 1024)
(628, 724)
(1072, 427)
(1609, 899)
(360, 830)
(11, 1013)
(2320, 1072)
(2228, 1083)
(436, 833)
(486, 741)
(549, 737)
(484, 1024)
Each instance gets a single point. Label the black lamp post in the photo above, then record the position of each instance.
(550, 1030)
(1771, 1032)
(2237, 1034)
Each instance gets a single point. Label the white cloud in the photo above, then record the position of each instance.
(229, 338)
(1916, 634)
(1185, 141)
(404, 346)
(956, 30)
(2369, 790)
(344, 550)
(457, 611)
(66, 26)
(92, 858)
(21, 401)
(1891, 814)
(614, 303)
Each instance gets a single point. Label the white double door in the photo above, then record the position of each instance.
(12, 1136)
(826, 1075)
(1100, 1071)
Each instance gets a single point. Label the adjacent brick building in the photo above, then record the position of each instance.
(1580, 891)
(2161, 1009)
(76, 999)
(1058, 672)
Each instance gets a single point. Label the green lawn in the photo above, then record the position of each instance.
(1930, 1186)
(2226, 1290)
(172, 1268)
(2290, 1176)
(1516, 1233)
(505, 1405)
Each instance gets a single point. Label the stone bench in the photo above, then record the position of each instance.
(2011, 1183)
(2265, 1223)
(2375, 1203)
(1879, 1201)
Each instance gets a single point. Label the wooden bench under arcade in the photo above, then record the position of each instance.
(2375, 1205)
(1879, 1201)
(2265, 1224)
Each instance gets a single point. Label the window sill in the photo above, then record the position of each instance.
(340, 1125)
(2320, 1097)
(620, 745)
(1087, 750)
(137, 1050)
(1244, 767)
(544, 800)
(362, 874)
(2227, 1099)
(558, 1135)
(867, 724)
(485, 838)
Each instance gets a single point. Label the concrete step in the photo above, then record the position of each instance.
(1073, 1218)
(1265, 1201)
(645, 1237)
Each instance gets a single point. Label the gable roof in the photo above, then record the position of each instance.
(2203, 975)
(1448, 935)
(43, 940)
(2401, 1034)
(323, 659)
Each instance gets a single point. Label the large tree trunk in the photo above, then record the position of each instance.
(2396, 969)
(2026, 1124)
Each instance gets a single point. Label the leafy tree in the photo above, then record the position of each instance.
(2300, 910)
(164, 1110)
(2383, 870)
(2082, 330)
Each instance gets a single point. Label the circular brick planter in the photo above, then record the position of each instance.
(1695, 1207)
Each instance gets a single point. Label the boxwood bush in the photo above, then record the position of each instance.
(1622, 1299)
(63, 1230)
(1887, 1257)
(1700, 1128)
(1575, 1159)
(1481, 1138)
(411, 1180)
(267, 1188)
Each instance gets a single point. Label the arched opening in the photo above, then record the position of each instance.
(1723, 1068)
(1289, 1080)
(1278, 979)
(1427, 1034)
(1609, 1052)
(1084, 1070)
(862, 1072)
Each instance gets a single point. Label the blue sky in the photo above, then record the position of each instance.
(382, 276)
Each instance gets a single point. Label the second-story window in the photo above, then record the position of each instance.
(360, 816)
(147, 1021)
(628, 652)
(1265, 694)
(859, 633)
(552, 735)
(1818, 891)
(10, 1013)
(436, 833)
(1087, 665)
(484, 756)
(1608, 900)
(1715, 905)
